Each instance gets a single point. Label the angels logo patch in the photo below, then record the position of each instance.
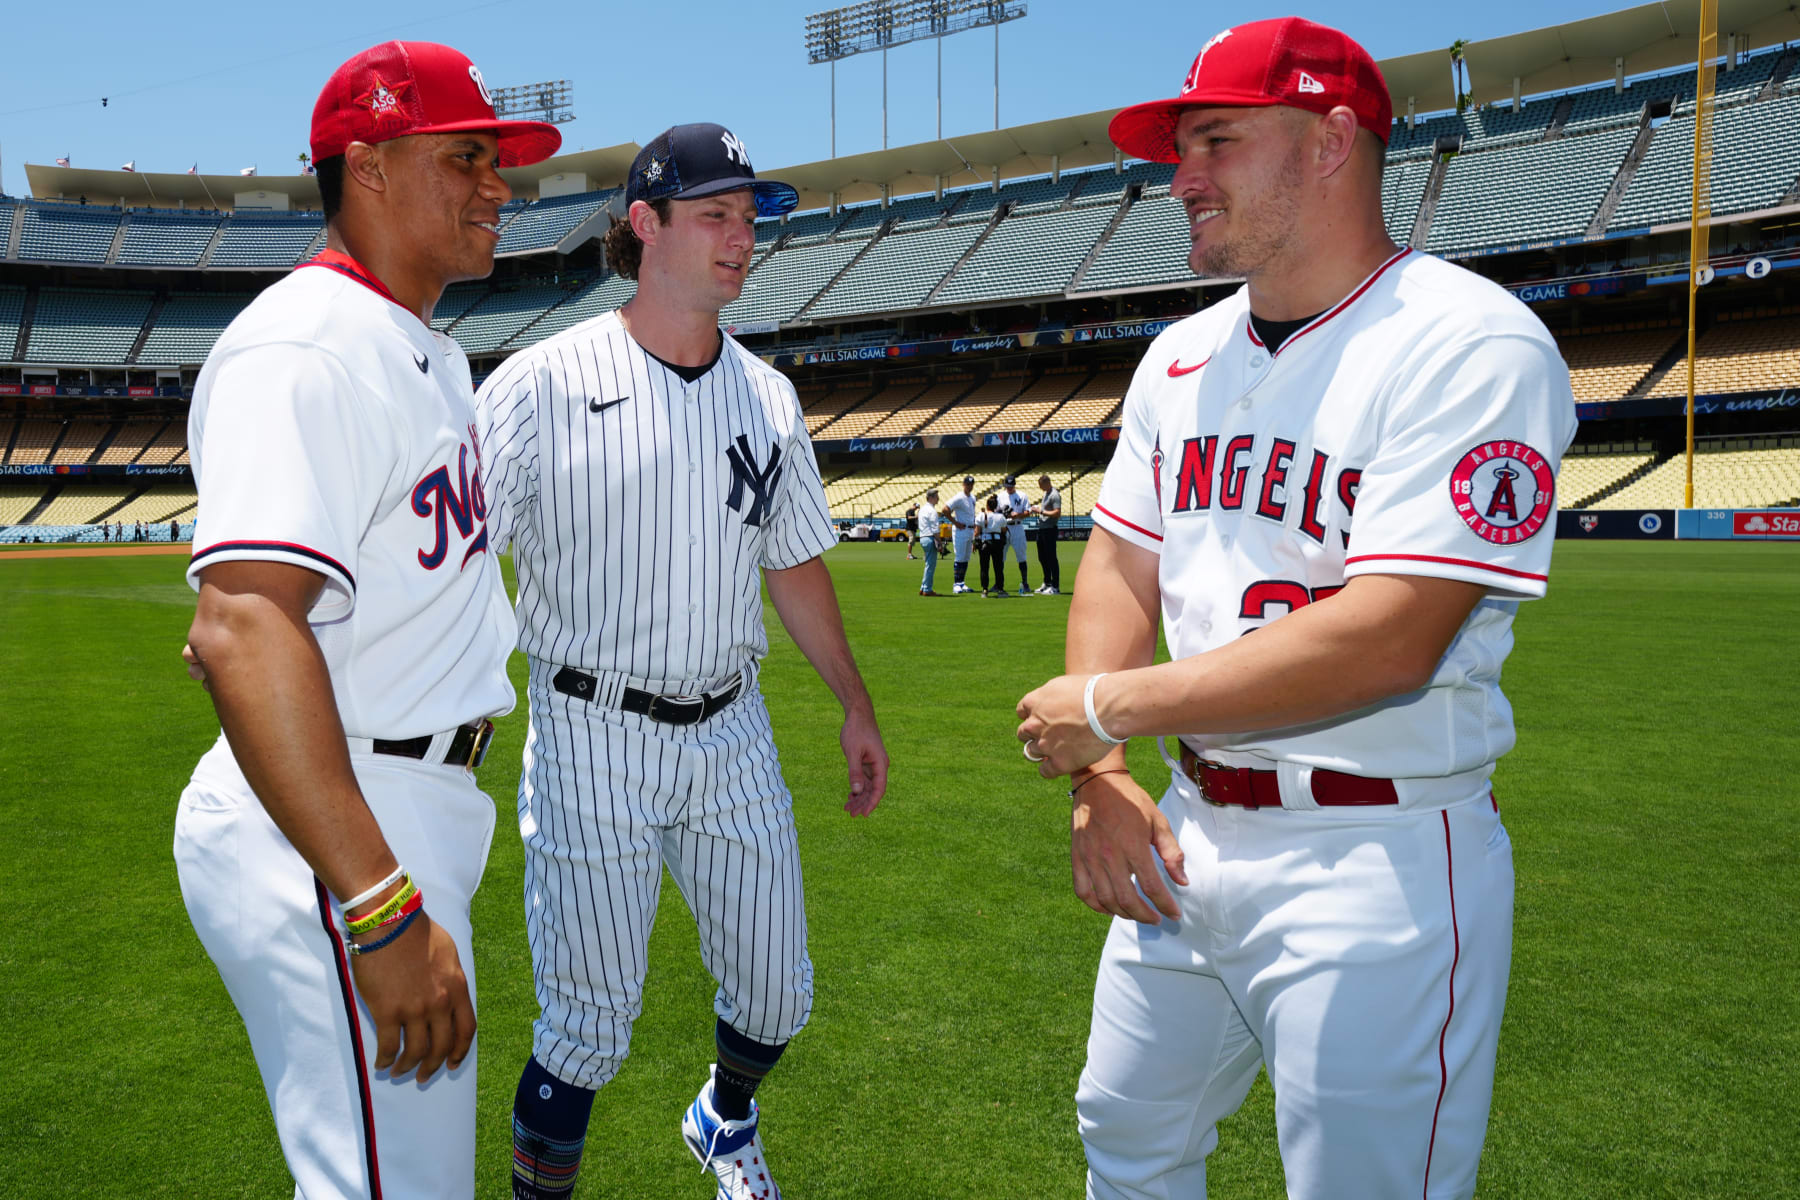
(1503, 491)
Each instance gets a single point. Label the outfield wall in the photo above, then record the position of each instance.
(1739, 524)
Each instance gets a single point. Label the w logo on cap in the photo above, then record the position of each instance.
(1309, 84)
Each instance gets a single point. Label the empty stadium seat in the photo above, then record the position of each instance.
(73, 233)
(86, 325)
(1755, 160)
(266, 239)
(1033, 406)
(12, 310)
(189, 325)
(17, 499)
(780, 285)
(502, 314)
(31, 445)
(601, 296)
(979, 405)
(1150, 246)
(1740, 356)
(1583, 475)
(169, 446)
(911, 415)
(79, 441)
(1027, 256)
(1607, 366)
(544, 223)
(1758, 478)
(133, 435)
(166, 238)
(898, 272)
(1526, 193)
(1094, 404)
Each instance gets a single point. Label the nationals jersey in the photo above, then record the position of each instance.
(1413, 429)
(640, 507)
(333, 430)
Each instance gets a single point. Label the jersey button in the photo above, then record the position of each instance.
(693, 608)
(693, 540)
(1206, 627)
(1244, 403)
(1225, 542)
(1256, 360)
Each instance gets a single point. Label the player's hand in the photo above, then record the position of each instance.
(1118, 833)
(418, 998)
(867, 759)
(1054, 727)
(195, 671)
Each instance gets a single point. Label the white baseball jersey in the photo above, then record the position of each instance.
(961, 508)
(1015, 505)
(1429, 405)
(333, 430)
(640, 507)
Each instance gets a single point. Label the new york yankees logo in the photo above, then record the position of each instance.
(734, 149)
(759, 481)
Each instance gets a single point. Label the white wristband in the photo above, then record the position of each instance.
(391, 880)
(1087, 702)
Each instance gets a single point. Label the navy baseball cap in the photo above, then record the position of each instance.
(1011, 479)
(686, 162)
(968, 479)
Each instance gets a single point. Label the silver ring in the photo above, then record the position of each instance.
(1025, 749)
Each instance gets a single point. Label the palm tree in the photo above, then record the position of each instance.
(1460, 69)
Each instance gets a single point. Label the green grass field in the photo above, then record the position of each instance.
(1650, 1046)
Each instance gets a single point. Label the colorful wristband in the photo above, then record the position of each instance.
(381, 916)
(371, 947)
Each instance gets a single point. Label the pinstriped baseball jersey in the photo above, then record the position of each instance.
(640, 507)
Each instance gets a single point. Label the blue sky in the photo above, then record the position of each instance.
(232, 86)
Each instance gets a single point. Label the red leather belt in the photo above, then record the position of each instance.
(1246, 787)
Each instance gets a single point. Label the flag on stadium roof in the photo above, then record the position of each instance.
(247, 171)
(130, 166)
(63, 161)
(194, 170)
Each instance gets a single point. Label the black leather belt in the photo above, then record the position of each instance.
(670, 710)
(467, 749)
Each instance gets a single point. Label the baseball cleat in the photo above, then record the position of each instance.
(731, 1150)
(1023, 590)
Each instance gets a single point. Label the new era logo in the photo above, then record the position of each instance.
(1309, 84)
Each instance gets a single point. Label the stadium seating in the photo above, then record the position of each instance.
(83, 504)
(1104, 186)
(1724, 477)
(1150, 246)
(85, 325)
(846, 398)
(168, 447)
(1027, 256)
(71, 233)
(266, 239)
(134, 434)
(898, 272)
(500, 315)
(779, 286)
(908, 417)
(1582, 475)
(166, 238)
(79, 441)
(17, 499)
(7, 211)
(979, 405)
(1094, 404)
(1402, 188)
(1606, 366)
(913, 212)
(899, 492)
(31, 446)
(188, 326)
(858, 421)
(457, 299)
(539, 226)
(12, 310)
(1526, 193)
(1600, 108)
(808, 229)
(1740, 356)
(1033, 406)
(160, 502)
(601, 296)
(1755, 159)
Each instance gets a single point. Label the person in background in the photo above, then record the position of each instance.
(926, 518)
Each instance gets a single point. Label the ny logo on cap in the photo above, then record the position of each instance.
(481, 85)
(1309, 84)
(734, 149)
(1193, 79)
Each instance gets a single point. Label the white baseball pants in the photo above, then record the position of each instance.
(346, 1130)
(961, 539)
(1015, 537)
(606, 800)
(1362, 959)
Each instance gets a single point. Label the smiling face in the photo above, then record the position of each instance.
(700, 258)
(1241, 178)
(445, 191)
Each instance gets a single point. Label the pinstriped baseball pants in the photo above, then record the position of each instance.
(606, 800)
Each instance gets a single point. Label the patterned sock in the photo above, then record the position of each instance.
(742, 1065)
(550, 1120)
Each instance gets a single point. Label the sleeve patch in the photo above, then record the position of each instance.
(1503, 491)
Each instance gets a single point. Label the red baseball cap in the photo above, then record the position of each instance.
(1289, 61)
(401, 88)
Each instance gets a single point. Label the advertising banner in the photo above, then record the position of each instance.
(1595, 524)
(1739, 524)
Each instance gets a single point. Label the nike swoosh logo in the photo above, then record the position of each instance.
(596, 406)
(424, 364)
(1176, 370)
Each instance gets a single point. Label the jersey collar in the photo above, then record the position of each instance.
(1331, 312)
(343, 264)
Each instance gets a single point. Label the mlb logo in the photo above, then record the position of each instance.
(1588, 522)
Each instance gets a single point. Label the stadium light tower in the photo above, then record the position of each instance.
(883, 24)
(551, 101)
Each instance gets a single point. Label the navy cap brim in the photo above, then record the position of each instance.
(772, 198)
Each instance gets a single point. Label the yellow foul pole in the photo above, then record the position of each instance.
(1700, 231)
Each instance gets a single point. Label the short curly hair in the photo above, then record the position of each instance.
(624, 249)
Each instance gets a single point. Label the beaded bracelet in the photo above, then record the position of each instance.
(371, 947)
(380, 916)
(365, 897)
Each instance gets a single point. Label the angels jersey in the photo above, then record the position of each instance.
(1413, 429)
(333, 430)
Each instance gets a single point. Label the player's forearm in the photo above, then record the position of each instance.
(1112, 619)
(1379, 638)
(273, 694)
(807, 604)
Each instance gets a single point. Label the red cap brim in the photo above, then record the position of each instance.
(521, 142)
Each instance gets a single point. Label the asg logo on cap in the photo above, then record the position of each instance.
(1193, 79)
(481, 85)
